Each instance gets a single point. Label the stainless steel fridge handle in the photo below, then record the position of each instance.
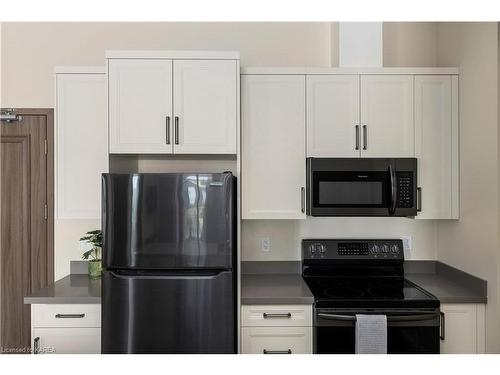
(288, 351)
(390, 318)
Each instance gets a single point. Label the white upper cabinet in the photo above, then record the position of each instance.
(205, 106)
(273, 117)
(333, 116)
(436, 139)
(140, 106)
(181, 102)
(387, 128)
(81, 142)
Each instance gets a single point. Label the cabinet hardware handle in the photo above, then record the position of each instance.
(268, 316)
(357, 138)
(265, 351)
(442, 331)
(365, 138)
(167, 120)
(419, 199)
(64, 316)
(176, 124)
(36, 345)
(302, 199)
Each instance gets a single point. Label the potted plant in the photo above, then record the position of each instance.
(94, 238)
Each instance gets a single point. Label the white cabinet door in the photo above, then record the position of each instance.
(81, 144)
(67, 340)
(333, 116)
(460, 329)
(435, 133)
(276, 340)
(140, 106)
(387, 116)
(273, 146)
(205, 106)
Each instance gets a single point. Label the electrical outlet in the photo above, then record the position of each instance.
(407, 243)
(265, 244)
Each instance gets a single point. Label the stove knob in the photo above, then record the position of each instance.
(312, 249)
(375, 249)
(322, 249)
(395, 249)
(385, 248)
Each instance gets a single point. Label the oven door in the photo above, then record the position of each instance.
(361, 187)
(408, 331)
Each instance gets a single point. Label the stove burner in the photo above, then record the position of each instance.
(386, 292)
(346, 292)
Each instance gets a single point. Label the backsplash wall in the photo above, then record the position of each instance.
(285, 235)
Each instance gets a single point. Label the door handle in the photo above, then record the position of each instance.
(36, 345)
(357, 137)
(272, 315)
(176, 129)
(419, 199)
(302, 199)
(265, 351)
(392, 175)
(70, 316)
(390, 318)
(442, 331)
(365, 138)
(167, 121)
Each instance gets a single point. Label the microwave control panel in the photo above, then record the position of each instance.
(404, 181)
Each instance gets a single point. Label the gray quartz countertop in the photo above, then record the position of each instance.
(269, 289)
(448, 284)
(74, 288)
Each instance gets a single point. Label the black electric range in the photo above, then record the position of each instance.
(349, 277)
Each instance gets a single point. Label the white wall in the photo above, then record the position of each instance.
(471, 243)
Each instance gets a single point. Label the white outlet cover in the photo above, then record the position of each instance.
(407, 243)
(265, 244)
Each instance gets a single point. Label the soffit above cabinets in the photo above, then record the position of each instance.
(327, 70)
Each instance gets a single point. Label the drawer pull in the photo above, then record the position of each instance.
(268, 316)
(265, 351)
(69, 316)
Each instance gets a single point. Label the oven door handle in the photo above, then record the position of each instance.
(392, 175)
(390, 318)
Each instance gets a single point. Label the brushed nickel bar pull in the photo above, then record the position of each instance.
(357, 138)
(36, 345)
(365, 138)
(265, 351)
(302, 199)
(176, 124)
(167, 120)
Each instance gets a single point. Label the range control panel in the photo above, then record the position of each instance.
(352, 249)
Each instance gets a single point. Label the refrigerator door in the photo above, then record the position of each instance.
(168, 312)
(168, 220)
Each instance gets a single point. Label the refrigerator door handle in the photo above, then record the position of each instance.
(166, 275)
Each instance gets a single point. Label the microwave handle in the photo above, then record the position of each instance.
(392, 175)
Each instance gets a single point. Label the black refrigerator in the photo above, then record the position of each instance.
(169, 258)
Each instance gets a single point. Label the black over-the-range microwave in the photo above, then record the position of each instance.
(362, 187)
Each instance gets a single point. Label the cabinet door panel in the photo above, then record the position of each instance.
(273, 146)
(332, 115)
(205, 103)
(67, 340)
(387, 113)
(433, 145)
(140, 99)
(81, 144)
(460, 329)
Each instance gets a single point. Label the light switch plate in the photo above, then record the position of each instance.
(407, 243)
(265, 244)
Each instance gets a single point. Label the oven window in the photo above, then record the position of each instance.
(350, 189)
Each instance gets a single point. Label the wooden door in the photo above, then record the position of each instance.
(26, 255)
(333, 116)
(205, 106)
(273, 117)
(387, 128)
(140, 106)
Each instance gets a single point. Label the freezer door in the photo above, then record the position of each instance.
(158, 312)
(168, 220)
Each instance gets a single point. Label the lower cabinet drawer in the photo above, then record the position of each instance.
(276, 315)
(66, 340)
(66, 315)
(276, 340)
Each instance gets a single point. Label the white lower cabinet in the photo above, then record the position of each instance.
(276, 329)
(463, 331)
(66, 328)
